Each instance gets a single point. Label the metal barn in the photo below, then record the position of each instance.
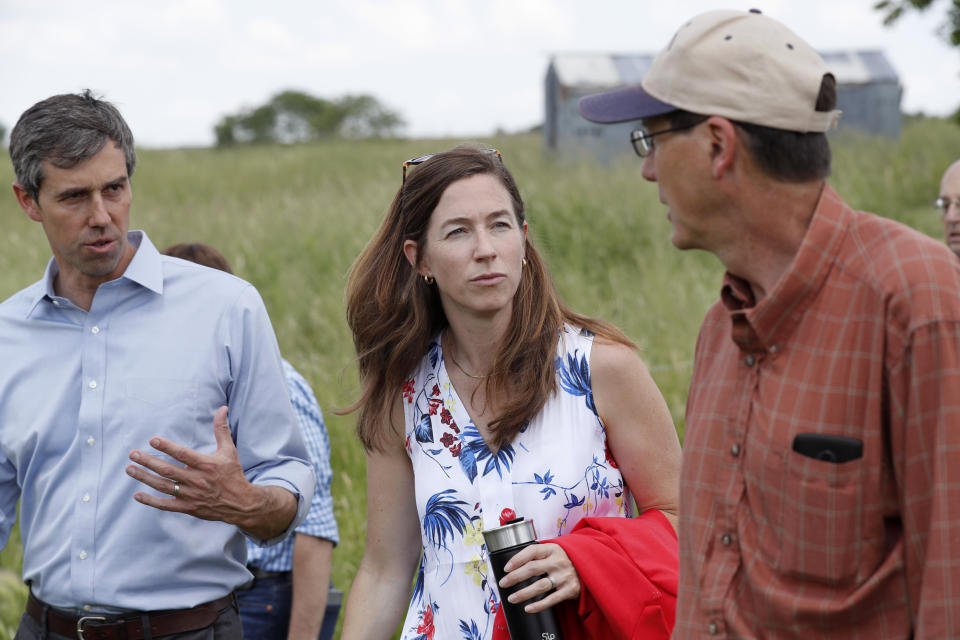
(869, 95)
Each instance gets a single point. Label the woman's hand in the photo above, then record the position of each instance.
(560, 580)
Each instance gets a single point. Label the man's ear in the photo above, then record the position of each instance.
(27, 203)
(723, 145)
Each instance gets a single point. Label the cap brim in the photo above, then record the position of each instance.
(622, 105)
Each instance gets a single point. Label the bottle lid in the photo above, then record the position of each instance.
(512, 534)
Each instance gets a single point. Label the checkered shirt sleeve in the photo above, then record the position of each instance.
(320, 521)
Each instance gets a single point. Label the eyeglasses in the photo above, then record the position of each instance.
(421, 159)
(942, 204)
(642, 139)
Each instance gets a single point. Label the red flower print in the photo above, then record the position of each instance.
(408, 390)
(609, 455)
(435, 391)
(434, 405)
(456, 450)
(445, 416)
(446, 439)
(426, 626)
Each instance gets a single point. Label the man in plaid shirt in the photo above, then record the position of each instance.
(288, 598)
(820, 493)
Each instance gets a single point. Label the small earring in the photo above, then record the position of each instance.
(524, 262)
(429, 280)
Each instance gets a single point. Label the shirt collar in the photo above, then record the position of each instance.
(775, 317)
(144, 269)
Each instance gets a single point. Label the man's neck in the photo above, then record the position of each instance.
(776, 220)
(80, 288)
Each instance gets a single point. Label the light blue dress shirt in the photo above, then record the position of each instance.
(320, 522)
(161, 348)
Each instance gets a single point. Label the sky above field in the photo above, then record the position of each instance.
(450, 67)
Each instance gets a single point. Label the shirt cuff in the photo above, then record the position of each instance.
(303, 506)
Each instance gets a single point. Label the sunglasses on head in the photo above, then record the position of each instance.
(421, 159)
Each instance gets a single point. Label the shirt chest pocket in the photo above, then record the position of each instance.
(160, 407)
(821, 519)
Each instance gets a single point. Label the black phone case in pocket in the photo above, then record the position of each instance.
(826, 447)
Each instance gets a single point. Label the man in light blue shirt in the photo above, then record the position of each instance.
(288, 598)
(133, 509)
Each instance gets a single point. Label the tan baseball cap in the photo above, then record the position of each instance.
(740, 65)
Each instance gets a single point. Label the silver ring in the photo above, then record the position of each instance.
(553, 585)
(176, 493)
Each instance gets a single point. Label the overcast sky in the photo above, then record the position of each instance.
(450, 67)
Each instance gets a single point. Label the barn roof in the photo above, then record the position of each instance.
(603, 70)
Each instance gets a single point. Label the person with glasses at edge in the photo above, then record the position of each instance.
(133, 511)
(288, 598)
(820, 485)
(485, 398)
(948, 205)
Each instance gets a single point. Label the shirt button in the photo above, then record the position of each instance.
(774, 348)
(726, 539)
(713, 628)
(87, 607)
(56, 303)
(86, 497)
(749, 360)
(735, 450)
(93, 384)
(91, 441)
(95, 330)
(83, 555)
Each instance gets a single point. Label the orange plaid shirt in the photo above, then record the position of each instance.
(860, 338)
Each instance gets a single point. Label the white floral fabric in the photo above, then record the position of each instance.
(556, 471)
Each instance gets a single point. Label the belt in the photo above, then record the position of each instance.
(128, 626)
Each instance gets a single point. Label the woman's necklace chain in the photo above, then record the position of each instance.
(464, 371)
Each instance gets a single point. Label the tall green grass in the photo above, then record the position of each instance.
(292, 219)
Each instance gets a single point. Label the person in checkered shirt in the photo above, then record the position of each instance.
(820, 487)
(288, 597)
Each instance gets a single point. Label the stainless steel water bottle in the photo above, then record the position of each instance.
(503, 543)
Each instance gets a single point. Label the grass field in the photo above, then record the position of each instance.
(292, 219)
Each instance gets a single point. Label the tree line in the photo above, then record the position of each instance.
(294, 116)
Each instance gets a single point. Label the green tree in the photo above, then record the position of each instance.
(3, 133)
(949, 30)
(364, 117)
(295, 116)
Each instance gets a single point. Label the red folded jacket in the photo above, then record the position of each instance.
(628, 580)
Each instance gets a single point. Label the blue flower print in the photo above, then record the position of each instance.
(469, 631)
(443, 517)
(575, 377)
(475, 450)
(545, 479)
(601, 487)
(418, 585)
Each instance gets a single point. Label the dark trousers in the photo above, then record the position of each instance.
(226, 627)
(265, 608)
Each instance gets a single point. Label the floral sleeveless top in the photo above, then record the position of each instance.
(556, 471)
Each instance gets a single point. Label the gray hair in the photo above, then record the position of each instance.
(66, 130)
